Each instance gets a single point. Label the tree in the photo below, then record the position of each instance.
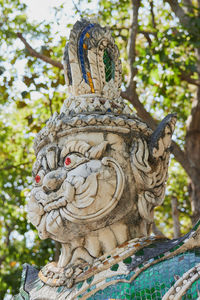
(167, 62)
(161, 74)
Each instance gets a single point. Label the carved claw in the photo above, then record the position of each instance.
(160, 140)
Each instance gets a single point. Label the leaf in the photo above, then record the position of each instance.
(2, 70)
(21, 104)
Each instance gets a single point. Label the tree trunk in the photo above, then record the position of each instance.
(193, 150)
(175, 216)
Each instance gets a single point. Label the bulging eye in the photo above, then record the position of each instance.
(67, 161)
(39, 177)
(73, 160)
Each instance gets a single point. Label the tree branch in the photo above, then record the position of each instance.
(50, 106)
(147, 36)
(181, 157)
(39, 55)
(188, 6)
(114, 27)
(77, 9)
(179, 12)
(152, 14)
(132, 40)
(14, 167)
(132, 96)
(186, 77)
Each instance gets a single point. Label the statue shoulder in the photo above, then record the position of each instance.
(140, 267)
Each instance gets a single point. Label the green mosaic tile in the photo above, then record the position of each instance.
(79, 285)
(60, 289)
(194, 291)
(114, 267)
(89, 280)
(139, 252)
(127, 260)
(154, 282)
(109, 66)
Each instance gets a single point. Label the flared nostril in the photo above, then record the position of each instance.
(45, 189)
(53, 180)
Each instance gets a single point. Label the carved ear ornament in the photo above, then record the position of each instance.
(160, 139)
(151, 177)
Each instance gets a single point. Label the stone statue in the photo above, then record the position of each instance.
(99, 173)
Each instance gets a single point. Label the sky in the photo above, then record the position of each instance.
(40, 10)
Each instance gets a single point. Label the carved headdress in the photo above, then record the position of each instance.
(92, 71)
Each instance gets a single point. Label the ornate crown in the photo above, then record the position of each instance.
(93, 74)
(91, 61)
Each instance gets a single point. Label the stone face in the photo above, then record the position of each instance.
(99, 171)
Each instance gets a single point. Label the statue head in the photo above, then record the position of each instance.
(99, 167)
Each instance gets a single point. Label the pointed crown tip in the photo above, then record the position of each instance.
(91, 60)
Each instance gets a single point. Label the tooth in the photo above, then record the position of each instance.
(69, 192)
(51, 159)
(44, 163)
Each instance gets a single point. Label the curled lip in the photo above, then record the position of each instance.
(51, 201)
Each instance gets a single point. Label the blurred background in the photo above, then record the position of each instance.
(159, 43)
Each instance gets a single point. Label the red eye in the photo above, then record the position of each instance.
(37, 178)
(67, 161)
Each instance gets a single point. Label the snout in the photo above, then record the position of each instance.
(53, 180)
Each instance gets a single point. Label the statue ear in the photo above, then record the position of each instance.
(160, 139)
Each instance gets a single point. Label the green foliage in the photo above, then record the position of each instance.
(32, 90)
